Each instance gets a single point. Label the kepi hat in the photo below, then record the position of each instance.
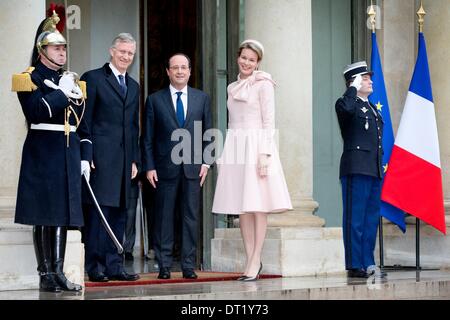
(354, 69)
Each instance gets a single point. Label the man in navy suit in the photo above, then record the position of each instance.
(112, 114)
(176, 173)
(360, 170)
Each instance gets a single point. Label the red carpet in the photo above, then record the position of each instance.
(151, 278)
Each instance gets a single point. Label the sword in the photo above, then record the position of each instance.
(102, 217)
(143, 223)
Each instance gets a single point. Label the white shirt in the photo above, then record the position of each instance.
(363, 99)
(117, 73)
(184, 98)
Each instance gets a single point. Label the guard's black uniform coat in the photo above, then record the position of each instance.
(49, 191)
(113, 121)
(362, 131)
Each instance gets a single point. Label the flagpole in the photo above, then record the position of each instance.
(373, 21)
(418, 244)
(372, 14)
(420, 14)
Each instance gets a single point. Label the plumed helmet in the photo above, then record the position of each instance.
(50, 34)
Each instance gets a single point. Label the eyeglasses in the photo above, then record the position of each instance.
(176, 68)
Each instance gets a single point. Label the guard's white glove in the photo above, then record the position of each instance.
(357, 82)
(86, 169)
(68, 84)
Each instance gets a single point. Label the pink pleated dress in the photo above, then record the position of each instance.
(251, 132)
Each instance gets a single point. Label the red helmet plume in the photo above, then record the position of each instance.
(61, 11)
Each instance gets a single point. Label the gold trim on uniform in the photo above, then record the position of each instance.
(82, 85)
(21, 82)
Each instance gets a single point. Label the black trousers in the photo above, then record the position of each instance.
(170, 194)
(100, 252)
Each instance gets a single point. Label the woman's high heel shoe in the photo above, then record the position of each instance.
(255, 277)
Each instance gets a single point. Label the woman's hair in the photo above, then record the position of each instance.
(254, 45)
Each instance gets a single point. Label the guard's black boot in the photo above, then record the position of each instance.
(42, 248)
(59, 249)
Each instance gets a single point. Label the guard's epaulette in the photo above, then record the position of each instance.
(22, 81)
(82, 85)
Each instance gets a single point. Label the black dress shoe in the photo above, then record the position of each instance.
(164, 273)
(189, 274)
(357, 273)
(98, 277)
(124, 276)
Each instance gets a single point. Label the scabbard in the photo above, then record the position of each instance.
(102, 217)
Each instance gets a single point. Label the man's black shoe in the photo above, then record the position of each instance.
(357, 273)
(129, 256)
(123, 276)
(98, 277)
(164, 273)
(189, 274)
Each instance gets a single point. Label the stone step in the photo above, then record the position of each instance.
(288, 251)
(18, 267)
(6, 216)
(292, 233)
(7, 211)
(398, 285)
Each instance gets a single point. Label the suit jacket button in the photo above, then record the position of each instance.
(357, 147)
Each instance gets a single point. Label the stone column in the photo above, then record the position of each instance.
(284, 28)
(19, 24)
(397, 39)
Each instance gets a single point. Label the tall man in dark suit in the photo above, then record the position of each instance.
(360, 170)
(112, 113)
(176, 173)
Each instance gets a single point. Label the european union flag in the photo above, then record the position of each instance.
(379, 99)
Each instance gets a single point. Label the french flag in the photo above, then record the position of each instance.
(413, 181)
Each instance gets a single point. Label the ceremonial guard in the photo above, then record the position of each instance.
(49, 191)
(360, 170)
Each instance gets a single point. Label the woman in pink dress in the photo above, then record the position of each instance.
(250, 180)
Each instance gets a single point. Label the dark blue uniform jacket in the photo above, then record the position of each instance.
(49, 191)
(362, 131)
